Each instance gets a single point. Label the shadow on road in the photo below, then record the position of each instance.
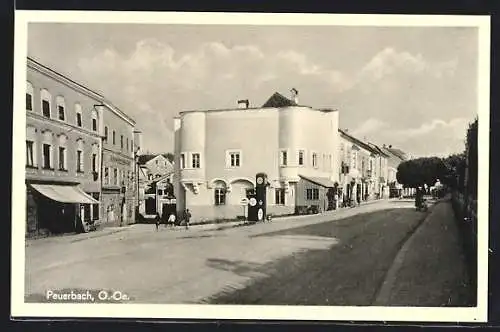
(241, 268)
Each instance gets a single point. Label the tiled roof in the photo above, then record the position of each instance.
(278, 100)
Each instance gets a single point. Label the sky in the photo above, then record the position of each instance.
(414, 88)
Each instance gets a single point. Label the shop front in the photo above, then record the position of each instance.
(55, 208)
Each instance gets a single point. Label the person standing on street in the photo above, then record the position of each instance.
(157, 221)
(187, 218)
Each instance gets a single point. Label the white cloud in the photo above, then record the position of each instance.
(370, 126)
(456, 127)
(154, 77)
(390, 62)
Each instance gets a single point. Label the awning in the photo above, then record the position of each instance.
(64, 194)
(324, 182)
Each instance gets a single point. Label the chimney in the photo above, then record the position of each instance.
(244, 103)
(295, 94)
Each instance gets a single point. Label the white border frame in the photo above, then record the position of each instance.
(320, 313)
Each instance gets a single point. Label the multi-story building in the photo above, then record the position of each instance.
(62, 152)
(381, 171)
(396, 157)
(219, 152)
(361, 166)
(154, 166)
(119, 198)
(69, 161)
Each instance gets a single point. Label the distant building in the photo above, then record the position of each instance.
(118, 187)
(219, 152)
(361, 168)
(396, 157)
(154, 169)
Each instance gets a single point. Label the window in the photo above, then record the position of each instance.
(301, 158)
(60, 108)
(126, 146)
(182, 162)
(220, 196)
(106, 133)
(95, 207)
(160, 192)
(94, 163)
(114, 137)
(131, 145)
(30, 156)
(106, 175)
(234, 159)
(79, 161)
(29, 96)
(315, 160)
(121, 142)
(195, 160)
(46, 97)
(312, 194)
(115, 176)
(279, 196)
(94, 120)
(78, 110)
(62, 158)
(283, 158)
(47, 162)
(249, 192)
(79, 119)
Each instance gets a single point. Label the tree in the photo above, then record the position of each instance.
(417, 172)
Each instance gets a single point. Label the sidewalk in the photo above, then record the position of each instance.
(430, 269)
(70, 238)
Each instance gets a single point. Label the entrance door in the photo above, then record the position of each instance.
(150, 206)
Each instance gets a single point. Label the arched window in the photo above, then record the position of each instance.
(31, 148)
(46, 99)
(78, 111)
(29, 96)
(47, 150)
(79, 156)
(61, 108)
(220, 191)
(94, 120)
(62, 153)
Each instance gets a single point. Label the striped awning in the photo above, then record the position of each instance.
(64, 193)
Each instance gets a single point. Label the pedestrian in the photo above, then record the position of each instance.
(157, 220)
(187, 218)
(171, 220)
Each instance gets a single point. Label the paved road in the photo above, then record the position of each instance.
(339, 258)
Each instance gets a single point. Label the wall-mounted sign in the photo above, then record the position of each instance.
(118, 160)
(253, 201)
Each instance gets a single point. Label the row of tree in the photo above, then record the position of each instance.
(457, 171)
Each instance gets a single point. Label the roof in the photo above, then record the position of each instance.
(278, 100)
(324, 182)
(380, 151)
(145, 158)
(400, 154)
(365, 145)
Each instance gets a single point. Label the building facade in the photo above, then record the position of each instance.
(62, 152)
(219, 152)
(75, 175)
(119, 197)
(358, 172)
